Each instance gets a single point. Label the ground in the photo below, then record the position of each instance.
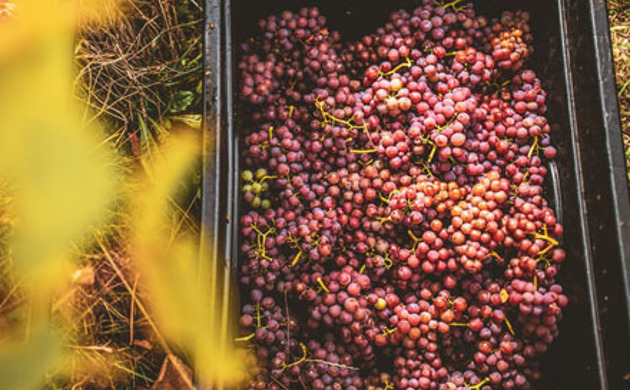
(619, 16)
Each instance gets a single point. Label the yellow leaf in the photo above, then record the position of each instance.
(504, 295)
(186, 311)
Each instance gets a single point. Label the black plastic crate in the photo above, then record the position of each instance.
(573, 59)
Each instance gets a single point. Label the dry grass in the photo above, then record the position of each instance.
(109, 342)
(111, 333)
(12, 297)
(143, 67)
(619, 16)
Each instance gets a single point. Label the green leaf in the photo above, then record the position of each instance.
(182, 100)
(192, 120)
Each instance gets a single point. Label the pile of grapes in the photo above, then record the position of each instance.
(396, 234)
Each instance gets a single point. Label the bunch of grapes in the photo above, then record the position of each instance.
(396, 231)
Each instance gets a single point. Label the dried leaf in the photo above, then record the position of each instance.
(174, 375)
(145, 344)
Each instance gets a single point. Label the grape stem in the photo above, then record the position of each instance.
(361, 151)
(534, 147)
(296, 258)
(494, 255)
(383, 199)
(304, 359)
(261, 240)
(415, 239)
(498, 86)
(447, 124)
(432, 153)
(384, 219)
(252, 335)
(331, 118)
(454, 5)
(270, 131)
(478, 385)
(388, 261)
(295, 243)
(509, 325)
(323, 285)
(267, 177)
(406, 64)
(544, 259)
(299, 361)
(365, 164)
(332, 364)
(387, 331)
(245, 338)
(545, 236)
(427, 170)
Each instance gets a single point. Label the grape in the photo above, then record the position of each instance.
(395, 229)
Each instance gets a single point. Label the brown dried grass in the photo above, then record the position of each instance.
(130, 71)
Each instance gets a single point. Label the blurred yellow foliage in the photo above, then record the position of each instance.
(62, 177)
(170, 267)
(23, 364)
(101, 12)
(59, 174)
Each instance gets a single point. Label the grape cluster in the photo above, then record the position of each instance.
(396, 232)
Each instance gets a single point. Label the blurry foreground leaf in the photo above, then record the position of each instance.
(60, 175)
(101, 12)
(23, 364)
(184, 309)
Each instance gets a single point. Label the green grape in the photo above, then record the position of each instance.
(256, 188)
(247, 175)
(260, 173)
